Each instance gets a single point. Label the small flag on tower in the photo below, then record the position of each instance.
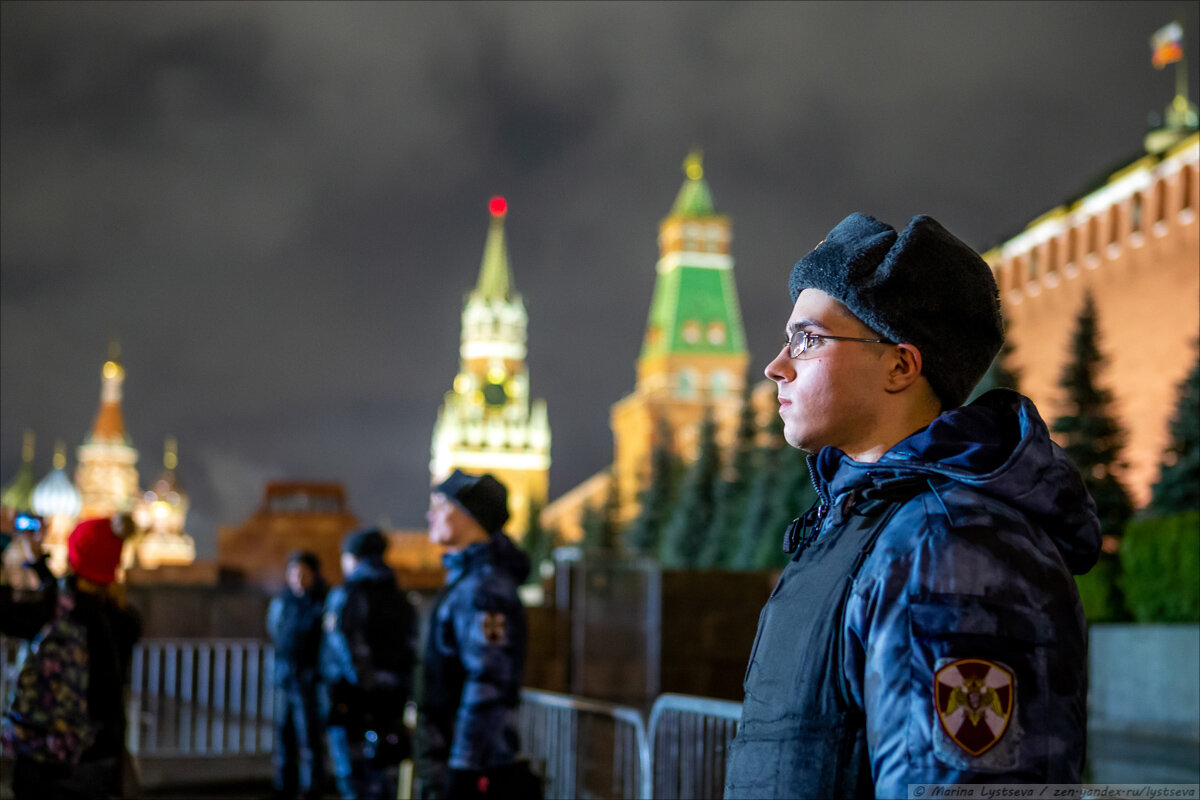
(1166, 45)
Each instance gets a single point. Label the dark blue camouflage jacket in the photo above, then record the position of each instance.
(294, 625)
(963, 637)
(475, 660)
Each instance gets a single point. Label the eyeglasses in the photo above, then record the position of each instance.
(801, 340)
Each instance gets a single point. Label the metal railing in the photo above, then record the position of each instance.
(584, 748)
(201, 698)
(689, 741)
(188, 697)
(599, 750)
(212, 698)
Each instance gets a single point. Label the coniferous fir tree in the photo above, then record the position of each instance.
(601, 529)
(794, 494)
(1178, 487)
(732, 489)
(645, 534)
(684, 537)
(760, 498)
(1093, 439)
(1090, 432)
(999, 375)
(539, 543)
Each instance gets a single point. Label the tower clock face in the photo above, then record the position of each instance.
(494, 394)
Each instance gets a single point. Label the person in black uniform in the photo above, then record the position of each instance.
(367, 657)
(475, 650)
(928, 629)
(294, 625)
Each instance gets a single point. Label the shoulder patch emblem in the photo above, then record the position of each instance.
(494, 627)
(975, 700)
(329, 622)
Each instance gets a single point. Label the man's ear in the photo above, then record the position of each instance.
(905, 367)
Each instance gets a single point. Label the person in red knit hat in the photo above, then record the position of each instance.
(90, 596)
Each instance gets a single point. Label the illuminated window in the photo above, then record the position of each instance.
(1072, 245)
(686, 383)
(1033, 264)
(1093, 236)
(716, 333)
(691, 331)
(1135, 213)
(1114, 226)
(1160, 202)
(1052, 256)
(719, 383)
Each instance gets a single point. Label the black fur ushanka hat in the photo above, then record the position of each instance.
(922, 286)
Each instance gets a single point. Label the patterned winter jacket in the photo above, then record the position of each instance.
(475, 660)
(962, 640)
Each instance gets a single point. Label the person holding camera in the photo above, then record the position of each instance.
(366, 670)
(72, 682)
(20, 609)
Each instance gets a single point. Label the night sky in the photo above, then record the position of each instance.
(277, 209)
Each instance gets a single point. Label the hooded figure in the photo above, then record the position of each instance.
(928, 629)
(475, 650)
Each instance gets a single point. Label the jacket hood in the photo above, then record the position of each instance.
(499, 550)
(998, 446)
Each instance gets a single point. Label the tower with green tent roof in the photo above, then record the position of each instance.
(693, 356)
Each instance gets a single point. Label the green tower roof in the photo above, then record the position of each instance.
(694, 199)
(18, 495)
(495, 282)
(695, 309)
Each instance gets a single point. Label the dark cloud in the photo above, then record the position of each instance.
(278, 208)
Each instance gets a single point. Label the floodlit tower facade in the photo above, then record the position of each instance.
(693, 358)
(487, 422)
(106, 475)
(57, 501)
(161, 513)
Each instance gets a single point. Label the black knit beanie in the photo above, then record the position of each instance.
(481, 496)
(922, 287)
(364, 543)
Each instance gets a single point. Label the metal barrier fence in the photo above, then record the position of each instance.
(585, 749)
(689, 741)
(201, 698)
(212, 698)
(188, 697)
(598, 750)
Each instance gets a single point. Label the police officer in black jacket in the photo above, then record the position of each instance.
(366, 667)
(294, 625)
(475, 651)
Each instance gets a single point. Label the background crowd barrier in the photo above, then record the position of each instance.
(689, 740)
(201, 698)
(584, 748)
(194, 701)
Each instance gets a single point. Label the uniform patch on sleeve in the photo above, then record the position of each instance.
(975, 700)
(495, 627)
(329, 622)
